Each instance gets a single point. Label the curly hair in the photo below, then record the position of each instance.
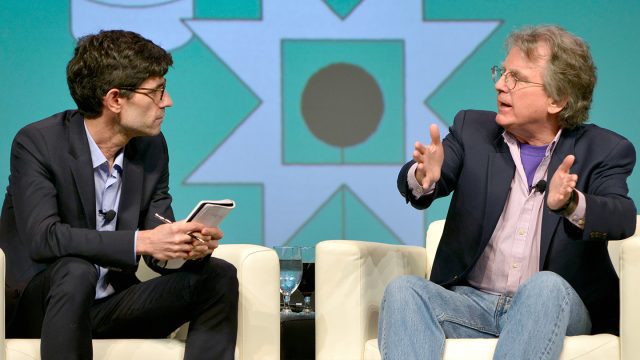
(570, 73)
(112, 59)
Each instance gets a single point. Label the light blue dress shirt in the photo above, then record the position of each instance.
(108, 186)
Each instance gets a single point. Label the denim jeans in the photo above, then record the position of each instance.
(417, 315)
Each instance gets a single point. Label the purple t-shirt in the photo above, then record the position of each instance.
(531, 156)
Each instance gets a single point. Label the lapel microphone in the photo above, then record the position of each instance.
(540, 187)
(108, 216)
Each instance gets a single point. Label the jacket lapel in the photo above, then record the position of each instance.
(129, 207)
(500, 174)
(550, 221)
(82, 167)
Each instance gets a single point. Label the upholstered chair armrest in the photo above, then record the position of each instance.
(630, 298)
(350, 280)
(259, 304)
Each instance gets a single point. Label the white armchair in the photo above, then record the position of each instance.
(351, 277)
(258, 315)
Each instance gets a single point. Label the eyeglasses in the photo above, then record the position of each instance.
(510, 79)
(150, 90)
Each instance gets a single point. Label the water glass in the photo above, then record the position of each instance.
(290, 272)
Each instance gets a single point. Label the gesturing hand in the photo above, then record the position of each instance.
(562, 184)
(429, 159)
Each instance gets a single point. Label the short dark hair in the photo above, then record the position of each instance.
(112, 59)
(570, 73)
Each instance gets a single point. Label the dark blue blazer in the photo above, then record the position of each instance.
(49, 207)
(478, 169)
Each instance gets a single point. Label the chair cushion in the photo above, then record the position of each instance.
(112, 349)
(595, 347)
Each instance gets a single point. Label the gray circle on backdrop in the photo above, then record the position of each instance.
(342, 104)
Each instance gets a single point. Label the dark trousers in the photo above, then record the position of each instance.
(58, 306)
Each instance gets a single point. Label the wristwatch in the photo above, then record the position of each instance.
(569, 207)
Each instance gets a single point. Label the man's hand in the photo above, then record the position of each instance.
(562, 184)
(429, 159)
(200, 249)
(172, 241)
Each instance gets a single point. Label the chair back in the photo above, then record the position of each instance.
(434, 233)
(614, 249)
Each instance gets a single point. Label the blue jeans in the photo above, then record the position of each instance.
(417, 315)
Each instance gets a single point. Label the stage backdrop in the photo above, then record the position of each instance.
(303, 111)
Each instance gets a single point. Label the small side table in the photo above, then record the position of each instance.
(297, 336)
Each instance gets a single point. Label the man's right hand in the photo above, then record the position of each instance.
(429, 159)
(168, 241)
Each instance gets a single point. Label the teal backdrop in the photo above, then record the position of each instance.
(253, 79)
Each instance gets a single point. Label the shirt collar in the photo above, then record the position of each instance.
(97, 157)
(511, 140)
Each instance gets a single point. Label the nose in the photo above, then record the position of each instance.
(501, 85)
(166, 100)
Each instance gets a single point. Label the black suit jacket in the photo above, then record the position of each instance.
(49, 209)
(478, 168)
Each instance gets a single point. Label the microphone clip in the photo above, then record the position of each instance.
(108, 216)
(540, 186)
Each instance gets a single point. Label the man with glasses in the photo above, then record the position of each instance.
(80, 213)
(536, 196)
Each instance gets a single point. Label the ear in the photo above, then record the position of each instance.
(555, 106)
(112, 101)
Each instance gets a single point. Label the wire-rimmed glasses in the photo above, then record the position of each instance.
(510, 79)
(148, 92)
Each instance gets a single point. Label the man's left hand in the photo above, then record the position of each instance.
(202, 249)
(562, 184)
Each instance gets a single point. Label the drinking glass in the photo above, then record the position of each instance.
(290, 272)
(308, 282)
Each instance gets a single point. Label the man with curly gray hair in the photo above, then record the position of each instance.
(570, 73)
(536, 196)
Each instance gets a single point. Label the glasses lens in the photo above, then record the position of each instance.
(162, 89)
(496, 73)
(510, 81)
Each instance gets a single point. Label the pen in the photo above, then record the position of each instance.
(167, 221)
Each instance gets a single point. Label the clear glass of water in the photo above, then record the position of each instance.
(290, 272)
